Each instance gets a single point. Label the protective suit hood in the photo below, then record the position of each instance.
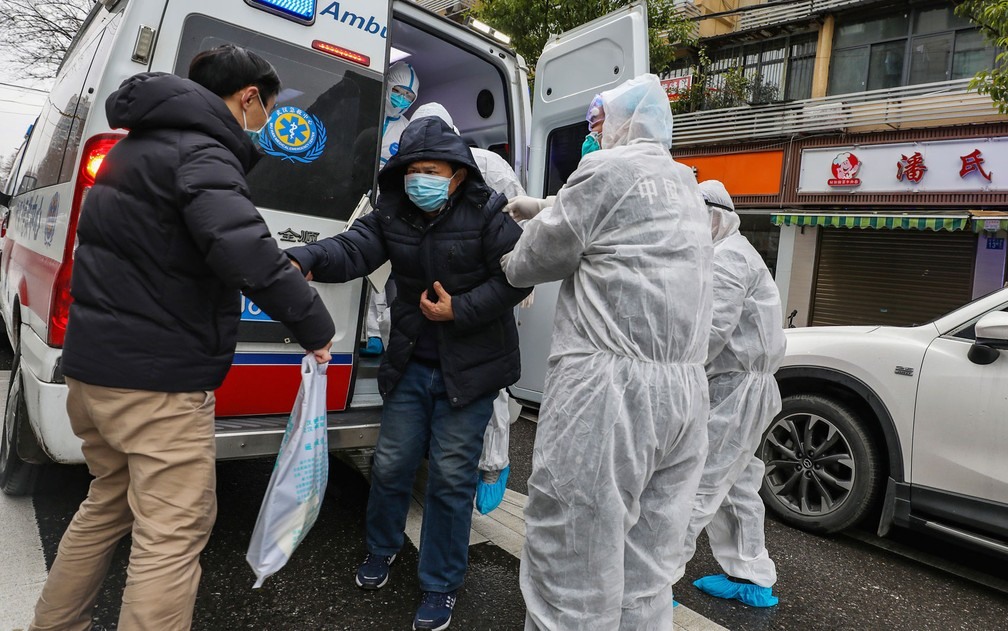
(724, 221)
(437, 110)
(637, 111)
(400, 73)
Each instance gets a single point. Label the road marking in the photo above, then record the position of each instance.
(23, 571)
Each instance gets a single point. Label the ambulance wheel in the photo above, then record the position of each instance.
(17, 477)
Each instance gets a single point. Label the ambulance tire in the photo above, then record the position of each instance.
(17, 477)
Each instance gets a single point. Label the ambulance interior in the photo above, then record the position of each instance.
(470, 87)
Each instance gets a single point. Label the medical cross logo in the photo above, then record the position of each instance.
(294, 135)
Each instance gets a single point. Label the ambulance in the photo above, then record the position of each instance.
(331, 58)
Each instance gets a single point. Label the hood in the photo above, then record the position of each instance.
(399, 73)
(435, 109)
(637, 111)
(428, 139)
(724, 221)
(165, 101)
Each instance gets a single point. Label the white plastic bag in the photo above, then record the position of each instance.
(297, 486)
(496, 439)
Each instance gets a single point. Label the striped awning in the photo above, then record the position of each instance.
(877, 221)
(989, 220)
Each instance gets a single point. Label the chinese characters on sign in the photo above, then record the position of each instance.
(973, 162)
(967, 165)
(911, 168)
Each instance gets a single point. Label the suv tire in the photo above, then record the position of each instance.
(823, 469)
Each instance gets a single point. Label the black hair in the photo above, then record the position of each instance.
(227, 69)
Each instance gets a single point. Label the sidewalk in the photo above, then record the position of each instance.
(505, 528)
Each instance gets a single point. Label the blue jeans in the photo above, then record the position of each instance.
(417, 416)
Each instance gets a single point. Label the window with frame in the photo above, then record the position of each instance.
(922, 45)
(776, 70)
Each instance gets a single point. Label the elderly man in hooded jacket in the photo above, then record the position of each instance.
(622, 428)
(453, 346)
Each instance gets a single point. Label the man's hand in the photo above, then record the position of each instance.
(307, 277)
(322, 355)
(440, 311)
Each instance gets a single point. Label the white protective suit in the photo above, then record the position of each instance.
(378, 322)
(399, 74)
(746, 348)
(622, 433)
(499, 176)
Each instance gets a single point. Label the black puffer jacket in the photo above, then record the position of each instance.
(461, 248)
(168, 236)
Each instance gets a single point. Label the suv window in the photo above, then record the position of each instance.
(968, 330)
(344, 104)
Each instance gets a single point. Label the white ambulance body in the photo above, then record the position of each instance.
(331, 58)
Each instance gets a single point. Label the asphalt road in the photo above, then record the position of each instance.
(838, 583)
(828, 583)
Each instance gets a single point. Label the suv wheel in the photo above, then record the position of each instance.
(823, 472)
(17, 477)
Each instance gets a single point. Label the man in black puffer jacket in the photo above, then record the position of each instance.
(167, 238)
(453, 346)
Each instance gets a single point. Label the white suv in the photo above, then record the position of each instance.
(910, 420)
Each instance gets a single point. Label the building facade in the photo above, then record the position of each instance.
(874, 183)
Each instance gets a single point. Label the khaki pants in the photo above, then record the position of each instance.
(152, 457)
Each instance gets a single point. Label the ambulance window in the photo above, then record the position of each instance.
(62, 116)
(321, 142)
(563, 153)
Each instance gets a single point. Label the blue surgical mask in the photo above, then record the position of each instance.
(428, 192)
(400, 103)
(590, 145)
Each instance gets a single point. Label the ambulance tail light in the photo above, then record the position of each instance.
(342, 53)
(92, 159)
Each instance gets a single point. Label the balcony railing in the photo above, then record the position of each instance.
(446, 6)
(776, 15)
(932, 104)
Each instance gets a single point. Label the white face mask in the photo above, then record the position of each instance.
(254, 133)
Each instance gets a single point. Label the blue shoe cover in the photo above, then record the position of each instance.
(374, 347)
(720, 586)
(675, 603)
(489, 496)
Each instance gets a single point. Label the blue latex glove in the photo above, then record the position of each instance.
(720, 586)
(489, 496)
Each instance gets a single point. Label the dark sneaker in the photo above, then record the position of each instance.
(435, 611)
(374, 571)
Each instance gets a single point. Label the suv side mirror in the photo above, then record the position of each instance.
(991, 338)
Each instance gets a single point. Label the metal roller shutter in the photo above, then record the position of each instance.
(895, 277)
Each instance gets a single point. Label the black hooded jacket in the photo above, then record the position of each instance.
(461, 248)
(167, 237)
